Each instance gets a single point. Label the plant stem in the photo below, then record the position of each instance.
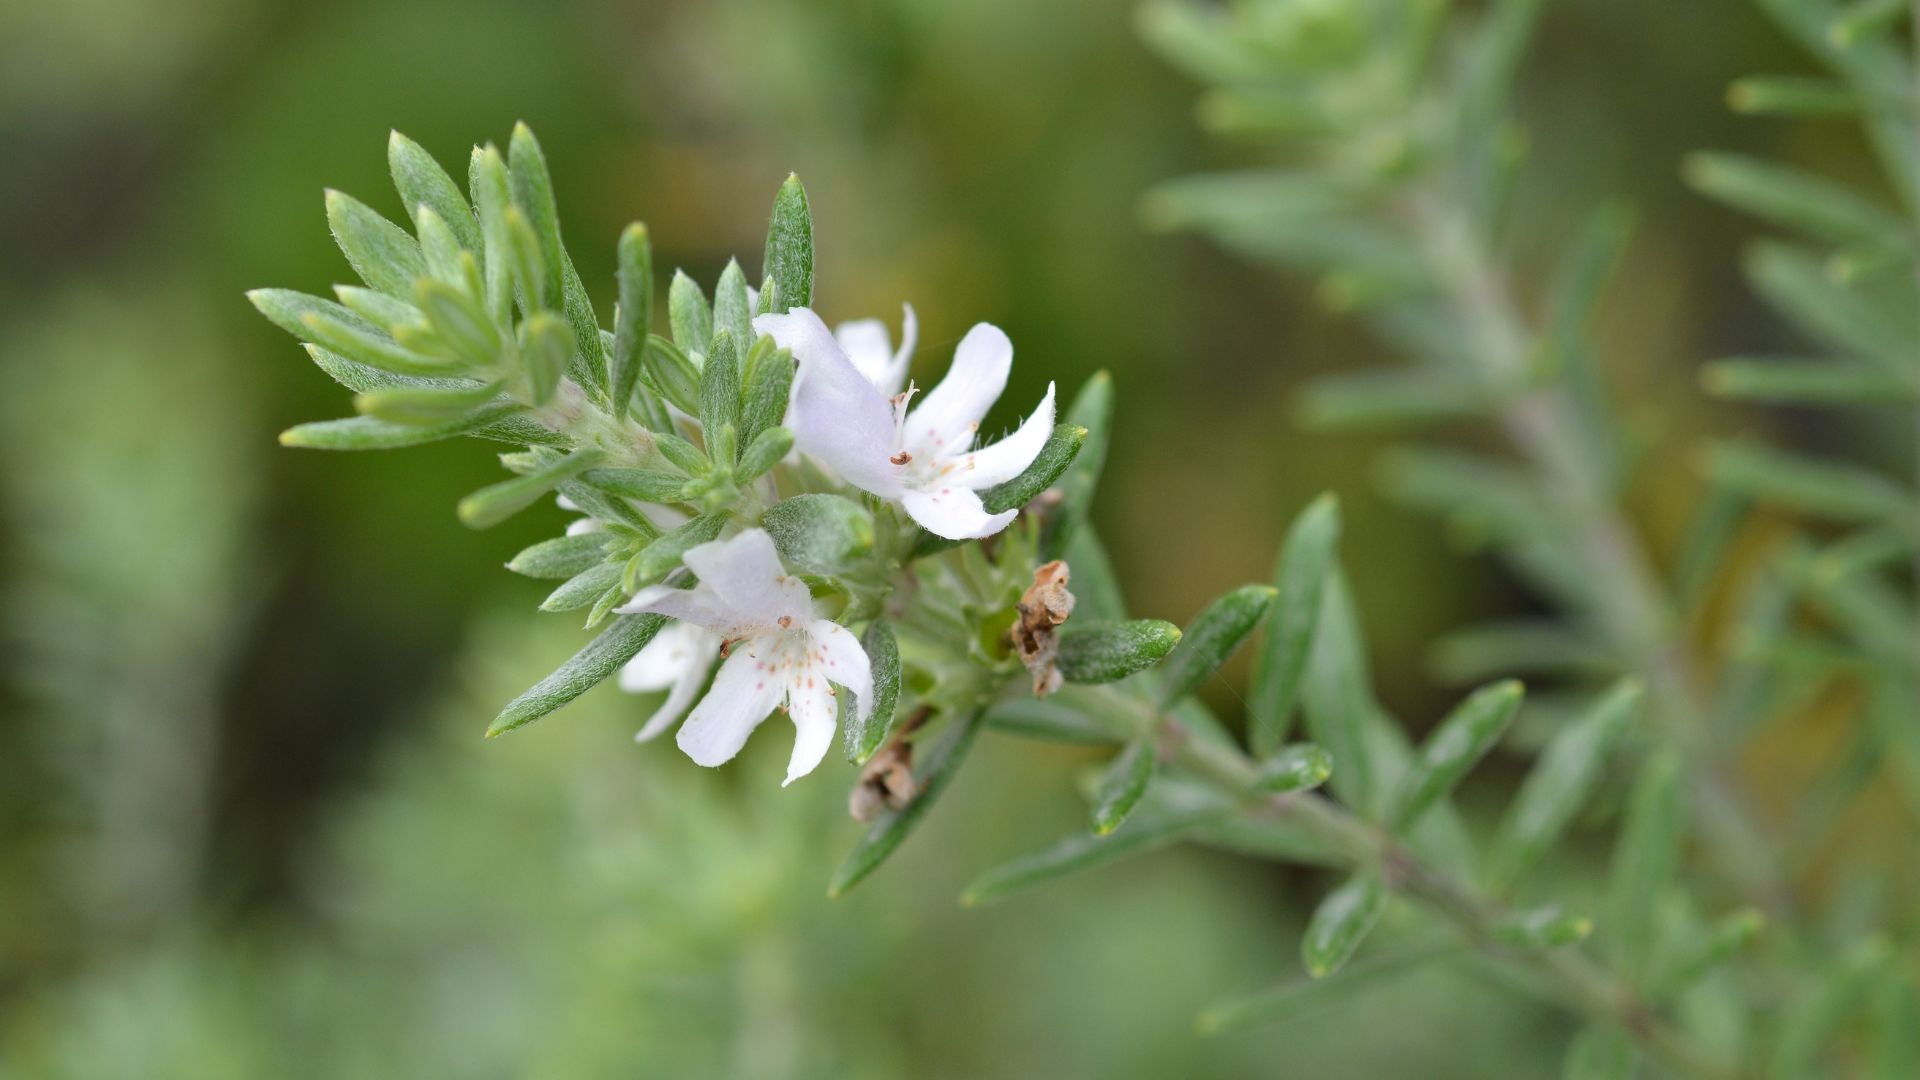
(1632, 607)
(1576, 980)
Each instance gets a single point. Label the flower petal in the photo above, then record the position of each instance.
(675, 707)
(838, 656)
(741, 697)
(699, 605)
(676, 648)
(744, 571)
(943, 424)
(812, 705)
(869, 346)
(954, 513)
(1008, 458)
(582, 526)
(837, 415)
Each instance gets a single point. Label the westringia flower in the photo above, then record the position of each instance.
(925, 458)
(676, 660)
(777, 653)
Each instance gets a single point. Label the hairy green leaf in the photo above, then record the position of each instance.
(609, 652)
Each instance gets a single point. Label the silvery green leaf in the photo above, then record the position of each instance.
(1391, 398)
(1054, 458)
(1645, 859)
(647, 485)
(1795, 199)
(426, 406)
(497, 502)
(1562, 781)
(934, 771)
(688, 315)
(658, 559)
(1106, 651)
(768, 377)
(720, 392)
(1341, 923)
(438, 246)
(1338, 695)
(1817, 1016)
(819, 533)
(788, 264)
(1830, 489)
(422, 182)
(1791, 95)
(1301, 996)
(367, 433)
(589, 361)
(1719, 944)
(685, 456)
(377, 308)
(492, 197)
(1159, 822)
(546, 347)
(1807, 382)
(561, 557)
(532, 188)
(865, 737)
(584, 588)
(1300, 767)
(1050, 719)
(460, 320)
(1305, 560)
(531, 274)
(1546, 927)
(1211, 638)
(1453, 749)
(672, 374)
(633, 317)
(732, 313)
(608, 653)
(763, 453)
(385, 256)
(1122, 784)
(359, 341)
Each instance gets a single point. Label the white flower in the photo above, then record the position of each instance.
(776, 652)
(925, 459)
(676, 660)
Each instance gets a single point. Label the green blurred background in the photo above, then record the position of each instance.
(247, 823)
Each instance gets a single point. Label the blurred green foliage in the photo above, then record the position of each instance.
(234, 827)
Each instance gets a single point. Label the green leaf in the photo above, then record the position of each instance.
(688, 315)
(1300, 767)
(865, 737)
(1092, 409)
(1391, 397)
(1562, 781)
(1542, 928)
(589, 361)
(1645, 859)
(497, 502)
(1519, 647)
(1096, 588)
(1816, 1017)
(673, 373)
(1341, 923)
(546, 348)
(632, 318)
(492, 196)
(385, 256)
(596, 504)
(763, 453)
(1795, 281)
(1122, 784)
(683, 454)
(1791, 95)
(1158, 823)
(422, 182)
(377, 308)
(1807, 382)
(439, 247)
(732, 311)
(359, 341)
(1054, 458)
(1105, 651)
(367, 433)
(788, 264)
(768, 377)
(1827, 489)
(561, 557)
(532, 188)
(647, 485)
(1300, 996)
(1050, 719)
(720, 391)
(427, 406)
(1305, 561)
(459, 320)
(584, 588)
(659, 558)
(1338, 695)
(935, 771)
(531, 273)
(1453, 749)
(1795, 199)
(1211, 638)
(819, 533)
(1718, 945)
(608, 653)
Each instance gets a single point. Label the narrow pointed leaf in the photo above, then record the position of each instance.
(720, 391)
(688, 315)
(1122, 784)
(1049, 719)
(647, 485)
(1807, 382)
(1562, 781)
(422, 182)
(492, 194)
(560, 557)
(1338, 696)
(493, 504)
(768, 378)
(1211, 638)
(633, 318)
(546, 348)
(385, 255)
(1341, 923)
(1155, 826)
(1453, 749)
(788, 264)
(1305, 561)
(609, 652)
(763, 453)
(1098, 652)
(1301, 996)
(658, 559)
(672, 373)
(1300, 767)
(732, 312)
(1542, 928)
(1645, 859)
(936, 769)
(584, 588)
(1722, 941)
(428, 406)
(367, 433)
